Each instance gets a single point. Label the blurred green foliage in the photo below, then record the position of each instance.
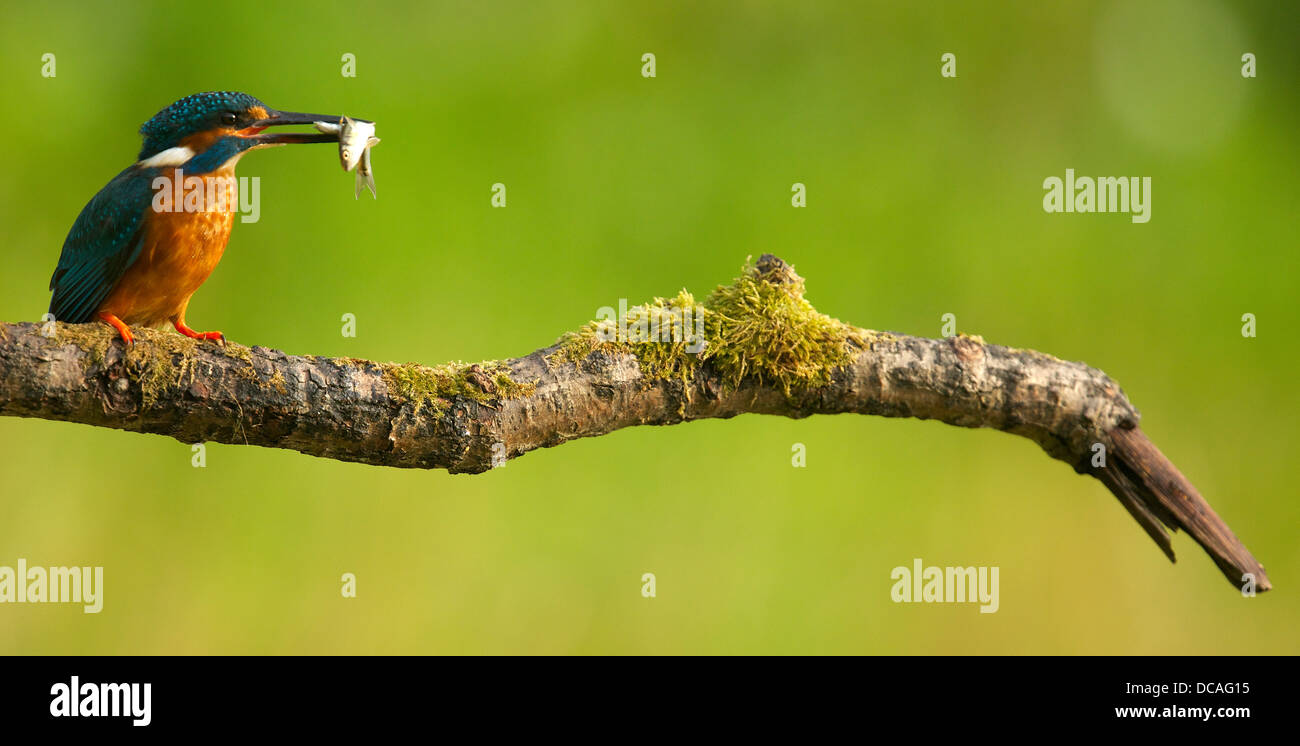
(924, 198)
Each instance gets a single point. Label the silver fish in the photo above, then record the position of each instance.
(356, 138)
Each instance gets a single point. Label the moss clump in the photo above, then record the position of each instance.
(760, 326)
(665, 335)
(678, 336)
(436, 386)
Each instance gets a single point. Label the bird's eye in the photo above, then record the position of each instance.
(229, 117)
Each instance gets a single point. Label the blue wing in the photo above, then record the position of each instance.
(103, 243)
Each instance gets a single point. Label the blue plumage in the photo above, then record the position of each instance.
(103, 242)
(191, 114)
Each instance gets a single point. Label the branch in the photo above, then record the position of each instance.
(767, 351)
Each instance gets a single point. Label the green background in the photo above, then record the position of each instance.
(924, 198)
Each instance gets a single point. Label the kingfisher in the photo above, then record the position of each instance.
(134, 256)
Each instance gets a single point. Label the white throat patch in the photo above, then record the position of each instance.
(170, 157)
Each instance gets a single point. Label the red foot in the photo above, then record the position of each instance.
(122, 329)
(183, 329)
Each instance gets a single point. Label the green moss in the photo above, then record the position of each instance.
(93, 339)
(248, 372)
(762, 326)
(356, 362)
(759, 327)
(278, 383)
(158, 360)
(236, 351)
(574, 347)
(436, 386)
(870, 338)
(661, 334)
(239, 352)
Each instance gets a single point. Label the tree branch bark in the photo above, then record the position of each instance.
(353, 410)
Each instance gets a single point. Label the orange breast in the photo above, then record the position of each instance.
(181, 248)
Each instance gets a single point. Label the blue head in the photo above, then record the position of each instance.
(205, 131)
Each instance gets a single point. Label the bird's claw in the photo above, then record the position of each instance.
(123, 331)
(218, 337)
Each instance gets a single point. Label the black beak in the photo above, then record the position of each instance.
(278, 118)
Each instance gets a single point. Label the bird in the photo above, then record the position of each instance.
(134, 256)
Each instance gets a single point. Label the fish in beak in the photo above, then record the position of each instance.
(356, 137)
